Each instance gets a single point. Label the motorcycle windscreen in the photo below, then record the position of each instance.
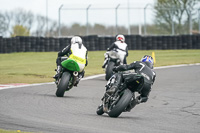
(70, 64)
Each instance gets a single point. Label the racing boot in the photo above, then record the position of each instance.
(141, 99)
(58, 72)
(132, 104)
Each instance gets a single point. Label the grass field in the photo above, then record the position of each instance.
(38, 67)
(8, 131)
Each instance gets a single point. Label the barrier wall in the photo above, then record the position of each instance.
(95, 43)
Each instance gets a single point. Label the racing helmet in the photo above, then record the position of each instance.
(148, 60)
(120, 38)
(76, 39)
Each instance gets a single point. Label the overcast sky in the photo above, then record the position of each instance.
(105, 16)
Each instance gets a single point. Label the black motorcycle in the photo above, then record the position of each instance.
(113, 60)
(117, 102)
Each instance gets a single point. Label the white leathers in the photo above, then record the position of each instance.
(79, 52)
(122, 50)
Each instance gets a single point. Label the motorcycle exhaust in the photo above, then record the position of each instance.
(75, 74)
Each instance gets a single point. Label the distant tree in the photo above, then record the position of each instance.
(22, 17)
(98, 29)
(19, 30)
(16, 17)
(39, 23)
(122, 30)
(4, 23)
(178, 10)
(53, 29)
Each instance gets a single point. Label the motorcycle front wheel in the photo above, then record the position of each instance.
(63, 84)
(121, 104)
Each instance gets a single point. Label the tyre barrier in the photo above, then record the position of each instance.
(96, 43)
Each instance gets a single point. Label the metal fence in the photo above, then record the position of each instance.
(146, 16)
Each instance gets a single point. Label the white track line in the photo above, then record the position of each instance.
(91, 77)
(182, 65)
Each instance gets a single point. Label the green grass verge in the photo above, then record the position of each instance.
(9, 131)
(38, 67)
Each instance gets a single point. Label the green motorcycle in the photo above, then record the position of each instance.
(68, 77)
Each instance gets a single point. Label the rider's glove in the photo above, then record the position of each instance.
(115, 69)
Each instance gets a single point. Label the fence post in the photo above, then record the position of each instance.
(87, 18)
(173, 21)
(116, 26)
(145, 30)
(129, 30)
(59, 20)
(190, 25)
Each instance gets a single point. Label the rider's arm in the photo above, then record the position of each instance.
(126, 51)
(126, 67)
(111, 47)
(65, 51)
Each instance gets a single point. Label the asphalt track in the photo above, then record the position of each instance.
(173, 107)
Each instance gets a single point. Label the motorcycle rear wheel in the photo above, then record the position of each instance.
(109, 71)
(63, 84)
(121, 104)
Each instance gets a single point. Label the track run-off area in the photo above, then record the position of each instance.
(173, 106)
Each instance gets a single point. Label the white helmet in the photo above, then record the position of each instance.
(76, 39)
(120, 38)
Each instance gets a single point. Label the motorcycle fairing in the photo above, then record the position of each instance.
(70, 64)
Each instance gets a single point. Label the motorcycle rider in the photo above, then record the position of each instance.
(76, 50)
(121, 48)
(144, 68)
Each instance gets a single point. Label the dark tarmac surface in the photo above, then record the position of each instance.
(173, 107)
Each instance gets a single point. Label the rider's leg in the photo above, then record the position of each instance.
(122, 55)
(125, 62)
(128, 80)
(105, 60)
(144, 93)
(80, 76)
(59, 68)
(81, 73)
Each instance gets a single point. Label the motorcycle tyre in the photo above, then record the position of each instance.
(109, 71)
(121, 104)
(63, 84)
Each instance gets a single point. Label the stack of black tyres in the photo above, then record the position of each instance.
(198, 42)
(101, 43)
(1, 44)
(95, 43)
